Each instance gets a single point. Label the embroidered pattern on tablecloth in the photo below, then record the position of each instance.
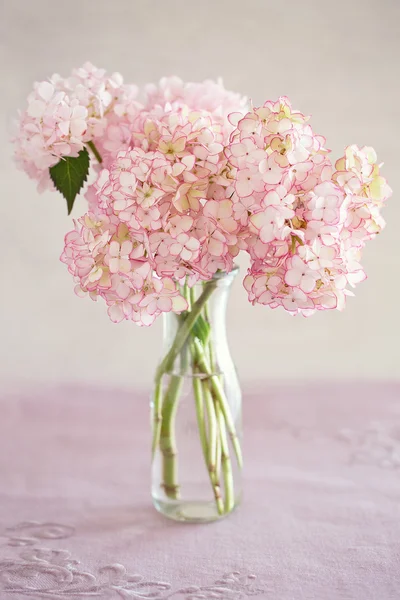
(377, 446)
(29, 533)
(44, 573)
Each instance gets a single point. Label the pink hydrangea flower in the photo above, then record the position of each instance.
(306, 226)
(191, 177)
(64, 114)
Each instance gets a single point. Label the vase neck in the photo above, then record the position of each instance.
(210, 300)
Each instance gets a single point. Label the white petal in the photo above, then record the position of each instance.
(293, 277)
(116, 313)
(114, 248)
(267, 233)
(45, 90)
(36, 108)
(215, 247)
(179, 304)
(307, 284)
(164, 304)
(243, 188)
(127, 179)
(273, 176)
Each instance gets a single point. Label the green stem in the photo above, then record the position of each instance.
(157, 418)
(218, 456)
(226, 462)
(209, 399)
(184, 331)
(95, 152)
(218, 393)
(167, 437)
(211, 467)
(199, 402)
(212, 427)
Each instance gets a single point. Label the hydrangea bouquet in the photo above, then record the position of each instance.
(180, 180)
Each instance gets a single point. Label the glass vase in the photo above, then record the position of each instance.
(197, 410)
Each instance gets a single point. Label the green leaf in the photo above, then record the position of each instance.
(201, 329)
(69, 175)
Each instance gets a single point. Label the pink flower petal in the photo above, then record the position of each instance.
(179, 304)
(243, 188)
(307, 284)
(293, 277)
(116, 313)
(164, 304)
(215, 247)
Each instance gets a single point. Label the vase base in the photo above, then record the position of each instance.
(189, 512)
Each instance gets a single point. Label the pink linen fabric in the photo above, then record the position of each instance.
(319, 520)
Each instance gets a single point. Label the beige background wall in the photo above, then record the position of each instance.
(336, 60)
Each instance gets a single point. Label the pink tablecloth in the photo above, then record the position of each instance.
(320, 518)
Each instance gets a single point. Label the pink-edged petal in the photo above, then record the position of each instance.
(307, 284)
(189, 161)
(211, 209)
(271, 198)
(340, 282)
(179, 144)
(126, 248)
(116, 313)
(175, 249)
(164, 304)
(297, 262)
(146, 319)
(78, 127)
(45, 90)
(151, 308)
(186, 254)
(267, 234)
(266, 298)
(127, 179)
(293, 277)
(273, 176)
(229, 225)
(79, 291)
(215, 148)
(225, 209)
(119, 205)
(243, 188)
(123, 290)
(124, 265)
(238, 150)
(290, 304)
(193, 244)
(113, 264)
(258, 220)
(234, 118)
(201, 152)
(95, 274)
(328, 301)
(177, 169)
(215, 247)
(114, 249)
(330, 215)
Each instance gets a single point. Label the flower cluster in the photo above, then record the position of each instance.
(161, 215)
(209, 97)
(170, 97)
(306, 225)
(65, 114)
(189, 178)
(165, 190)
